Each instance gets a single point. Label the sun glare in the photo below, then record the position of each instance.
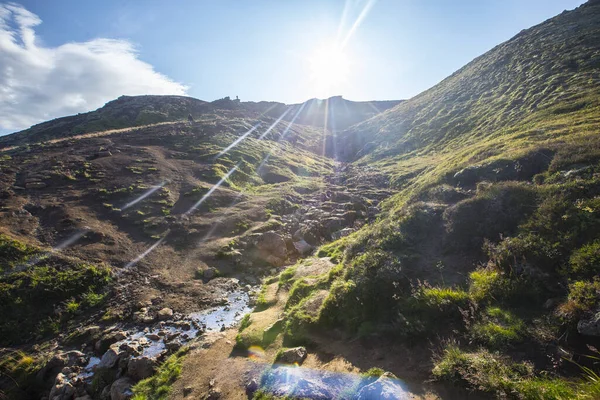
(329, 69)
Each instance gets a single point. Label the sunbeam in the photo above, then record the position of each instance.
(59, 247)
(238, 140)
(287, 129)
(144, 195)
(359, 20)
(274, 124)
(145, 253)
(212, 189)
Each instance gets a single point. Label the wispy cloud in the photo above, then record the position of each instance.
(39, 83)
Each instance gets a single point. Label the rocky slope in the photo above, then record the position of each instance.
(453, 237)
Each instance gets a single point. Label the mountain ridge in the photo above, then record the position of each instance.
(454, 237)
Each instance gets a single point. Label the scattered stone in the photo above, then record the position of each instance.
(141, 368)
(589, 327)
(153, 336)
(62, 389)
(121, 389)
(187, 391)
(303, 247)
(110, 358)
(214, 394)
(209, 273)
(173, 346)
(103, 153)
(165, 314)
(295, 355)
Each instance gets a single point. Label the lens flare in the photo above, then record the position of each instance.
(59, 247)
(144, 195)
(256, 353)
(238, 140)
(145, 253)
(212, 189)
(274, 124)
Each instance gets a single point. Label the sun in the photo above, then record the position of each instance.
(329, 70)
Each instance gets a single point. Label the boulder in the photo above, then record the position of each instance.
(209, 273)
(295, 355)
(165, 314)
(386, 387)
(272, 243)
(590, 327)
(107, 340)
(303, 247)
(141, 368)
(61, 389)
(121, 389)
(110, 358)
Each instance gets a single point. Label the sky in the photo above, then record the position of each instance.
(63, 57)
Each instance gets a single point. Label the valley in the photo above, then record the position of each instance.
(444, 246)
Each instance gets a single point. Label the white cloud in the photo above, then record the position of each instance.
(38, 83)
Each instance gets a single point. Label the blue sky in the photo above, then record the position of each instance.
(257, 50)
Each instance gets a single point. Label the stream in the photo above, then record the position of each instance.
(155, 340)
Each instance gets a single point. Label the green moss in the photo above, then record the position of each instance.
(498, 328)
(497, 375)
(286, 277)
(585, 261)
(158, 386)
(36, 290)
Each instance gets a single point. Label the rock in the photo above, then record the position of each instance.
(589, 327)
(214, 393)
(187, 391)
(295, 355)
(105, 394)
(121, 389)
(184, 325)
(209, 273)
(251, 387)
(386, 387)
(165, 314)
(107, 340)
(341, 233)
(173, 346)
(104, 153)
(141, 368)
(110, 358)
(35, 185)
(303, 247)
(276, 261)
(153, 336)
(143, 316)
(61, 389)
(84, 397)
(273, 244)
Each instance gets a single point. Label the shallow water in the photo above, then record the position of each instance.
(210, 320)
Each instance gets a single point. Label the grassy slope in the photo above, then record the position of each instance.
(494, 266)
